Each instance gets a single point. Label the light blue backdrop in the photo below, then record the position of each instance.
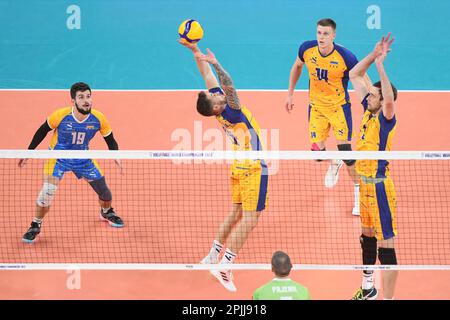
(132, 44)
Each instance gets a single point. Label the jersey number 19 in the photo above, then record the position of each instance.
(78, 137)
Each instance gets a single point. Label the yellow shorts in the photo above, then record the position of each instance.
(249, 187)
(322, 118)
(377, 208)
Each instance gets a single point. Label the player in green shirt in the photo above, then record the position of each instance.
(281, 287)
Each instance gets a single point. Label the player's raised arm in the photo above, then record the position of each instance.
(40, 135)
(296, 71)
(386, 88)
(358, 72)
(203, 66)
(225, 80)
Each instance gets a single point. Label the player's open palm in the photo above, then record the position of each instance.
(209, 57)
(188, 45)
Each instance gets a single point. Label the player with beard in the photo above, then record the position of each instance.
(74, 127)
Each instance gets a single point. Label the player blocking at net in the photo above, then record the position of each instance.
(74, 127)
(249, 178)
(377, 194)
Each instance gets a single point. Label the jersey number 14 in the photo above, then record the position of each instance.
(322, 74)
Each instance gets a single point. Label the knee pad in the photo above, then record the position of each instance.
(346, 147)
(101, 189)
(46, 195)
(369, 249)
(315, 147)
(387, 256)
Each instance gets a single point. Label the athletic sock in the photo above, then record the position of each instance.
(367, 280)
(228, 256)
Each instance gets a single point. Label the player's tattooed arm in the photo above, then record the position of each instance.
(227, 85)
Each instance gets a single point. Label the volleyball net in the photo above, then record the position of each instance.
(173, 203)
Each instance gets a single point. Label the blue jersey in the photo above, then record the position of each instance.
(71, 134)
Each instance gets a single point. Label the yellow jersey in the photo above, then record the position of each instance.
(242, 128)
(376, 134)
(328, 75)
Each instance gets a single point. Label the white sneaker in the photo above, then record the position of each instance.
(225, 278)
(209, 260)
(332, 175)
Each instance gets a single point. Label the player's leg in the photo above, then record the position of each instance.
(341, 121)
(254, 184)
(387, 256)
(318, 129)
(223, 233)
(368, 242)
(387, 230)
(351, 169)
(230, 221)
(93, 174)
(53, 172)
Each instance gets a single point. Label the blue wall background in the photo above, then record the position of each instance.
(132, 44)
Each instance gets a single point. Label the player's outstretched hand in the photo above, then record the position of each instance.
(386, 43)
(209, 57)
(383, 46)
(289, 104)
(188, 45)
(22, 162)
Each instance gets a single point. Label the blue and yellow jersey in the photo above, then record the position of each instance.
(376, 134)
(71, 134)
(241, 127)
(328, 75)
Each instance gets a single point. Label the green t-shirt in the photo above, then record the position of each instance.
(281, 289)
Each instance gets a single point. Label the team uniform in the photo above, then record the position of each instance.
(377, 193)
(329, 101)
(281, 289)
(249, 178)
(71, 134)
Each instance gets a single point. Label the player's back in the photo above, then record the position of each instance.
(328, 75)
(281, 289)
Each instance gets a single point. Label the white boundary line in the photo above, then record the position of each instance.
(224, 155)
(156, 266)
(196, 90)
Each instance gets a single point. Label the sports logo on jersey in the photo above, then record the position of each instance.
(314, 60)
(333, 62)
(341, 132)
(313, 135)
(90, 127)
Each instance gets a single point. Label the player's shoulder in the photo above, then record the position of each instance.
(60, 113)
(343, 51)
(63, 110)
(308, 44)
(98, 114)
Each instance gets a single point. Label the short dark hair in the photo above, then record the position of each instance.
(378, 85)
(204, 106)
(327, 22)
(79, 86)
(281, 264)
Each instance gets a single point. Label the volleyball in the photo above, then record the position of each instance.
(191, 31)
